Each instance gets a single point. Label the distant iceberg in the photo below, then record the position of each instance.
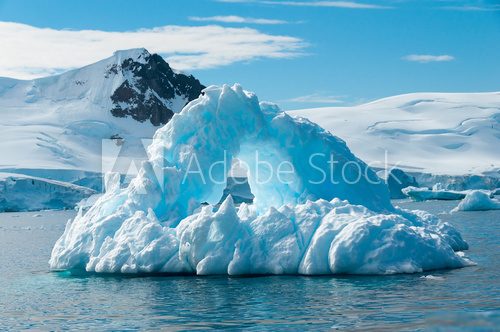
(167, 222)
(426, 194)
(437, 193)
(478, 200)
(20, 192)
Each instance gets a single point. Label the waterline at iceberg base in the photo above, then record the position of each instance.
(302, 226)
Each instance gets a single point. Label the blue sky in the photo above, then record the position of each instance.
(302, 53)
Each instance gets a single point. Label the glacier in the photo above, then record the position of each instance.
(168, 222)
(29, 193)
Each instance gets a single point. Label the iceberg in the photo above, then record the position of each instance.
(328, 213)
(488, 181)
(478, 200)
(30, 193)
(239, 190)
(425, 194)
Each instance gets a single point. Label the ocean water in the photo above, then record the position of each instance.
(31, 297)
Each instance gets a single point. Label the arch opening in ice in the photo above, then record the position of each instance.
(198, 144)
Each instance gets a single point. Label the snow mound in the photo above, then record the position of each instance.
(478, 200)
(303, 226)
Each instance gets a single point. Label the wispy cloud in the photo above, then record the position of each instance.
(474, 8)
(236, 19)
(29, 51)
(236, 1)
(426, 58)
(316, 98)
(337, 4)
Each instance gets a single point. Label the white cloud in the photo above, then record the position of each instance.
(236, 1)
(426, 58)
(236, 19)
(472, 8)
(338, 4)
(29, 51)
(316, 98)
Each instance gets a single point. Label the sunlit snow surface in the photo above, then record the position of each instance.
(157, 224)
(438, 133)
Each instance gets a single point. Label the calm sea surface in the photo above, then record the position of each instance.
(31, 297)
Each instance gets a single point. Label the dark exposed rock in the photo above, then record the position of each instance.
(150, 88)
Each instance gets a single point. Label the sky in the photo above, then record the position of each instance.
(299, 54)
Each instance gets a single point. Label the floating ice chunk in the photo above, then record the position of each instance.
(299, 226)
(478, 200)
(431, 277)
(425, 194)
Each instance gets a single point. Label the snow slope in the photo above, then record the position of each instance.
(439, 133)
(296, 226)
(59, 122)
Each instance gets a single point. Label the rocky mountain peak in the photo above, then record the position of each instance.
(151, 90)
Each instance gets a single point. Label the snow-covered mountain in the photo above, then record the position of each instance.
(59, 122)
(439, 133)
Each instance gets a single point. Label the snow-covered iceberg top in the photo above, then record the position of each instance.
(478, 200)
(329, 214)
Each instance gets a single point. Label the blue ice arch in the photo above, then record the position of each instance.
(319, 220)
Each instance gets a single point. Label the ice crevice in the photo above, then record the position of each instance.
(300, 226)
